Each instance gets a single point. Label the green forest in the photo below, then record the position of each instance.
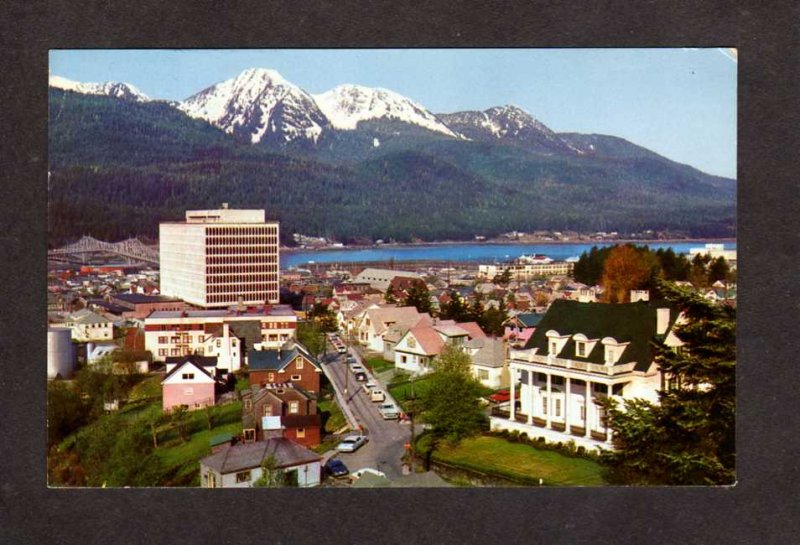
(118, 168)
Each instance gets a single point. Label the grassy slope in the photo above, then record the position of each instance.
(498, 456)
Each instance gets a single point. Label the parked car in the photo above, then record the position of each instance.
(361, 377)
(357, 368)
(388, 411)
(377, 395)
(501, 396)
(336, 468)
(369, 385)
(359, 473)
(352, 443)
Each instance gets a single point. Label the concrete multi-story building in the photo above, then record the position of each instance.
(225, 334)
(219, 258)
(528, 270)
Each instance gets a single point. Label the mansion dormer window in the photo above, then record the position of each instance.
(580, 349)
(553, 347)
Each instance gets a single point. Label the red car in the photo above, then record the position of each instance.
(502, 396)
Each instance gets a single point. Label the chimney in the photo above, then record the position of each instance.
(640, 295)
(662, 320)
(224, 206)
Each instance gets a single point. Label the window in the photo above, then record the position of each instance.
(294, 407)
(271, 377)
(243, 477)
(162, 351)
(301, 433)
(187, 376)
(544, 404)
(483, 374)
(553, 347)
(163, 340)
(403, 359)
(249, 435)
(299, 364)
(267, 410)
(297, 377)
(248, 403)
(580, 349)
(558, 407)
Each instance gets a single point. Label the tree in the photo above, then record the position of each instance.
(625, 269)
(451, 404)
(454, 309)
(718, 269)
(418, 296)
(272, 476)
(388, 297)
(324, 316)
(689, 437)
(504, 278)
(492, 320)
(311, 335)
(65, 411)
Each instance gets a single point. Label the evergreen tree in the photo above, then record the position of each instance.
(455, 309)
(689, 437)
(718, 270)
(418, 296)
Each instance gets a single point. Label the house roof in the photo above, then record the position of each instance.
(85, 316)
(180, 366)
(201, 361)
(382, 316)
(275, 360)
(491, 352)
(473, 329)
(530, 319)
(451, 330)
(139, 298)
(633, 323)
(249, 331)
(429, 340)
(241, 457)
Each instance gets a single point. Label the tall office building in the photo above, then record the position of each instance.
(219, 258)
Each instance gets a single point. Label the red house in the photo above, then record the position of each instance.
(290, 364)
(281, 410)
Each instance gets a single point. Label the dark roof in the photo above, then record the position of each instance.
(240, 457)
(140, 298)
(634, 323)
(249, 331)
(183, 361)
(202, 361)
(531, 319)
(275, 360)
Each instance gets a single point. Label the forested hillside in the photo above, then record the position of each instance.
(118, 168)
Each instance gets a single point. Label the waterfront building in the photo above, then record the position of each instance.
(380, 279)
(220, 258)
(715, 251)
(528, 269)
(579, 354)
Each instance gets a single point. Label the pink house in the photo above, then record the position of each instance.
(187, 384)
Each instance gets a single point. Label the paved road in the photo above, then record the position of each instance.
(387, 438)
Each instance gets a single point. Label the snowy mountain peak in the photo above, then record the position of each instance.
(259, 103)
(121, 90)
(347, 105)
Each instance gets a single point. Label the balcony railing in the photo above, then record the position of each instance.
(522, 418)
(527, 356)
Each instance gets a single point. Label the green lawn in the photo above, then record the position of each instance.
(495, 455)
(147, 389)
(378, 364)
(399, 391)
(334, 419)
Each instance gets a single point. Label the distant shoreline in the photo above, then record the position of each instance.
(293, 249)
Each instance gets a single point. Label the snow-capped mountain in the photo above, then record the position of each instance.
(347, 105)
(124, 91)
(259, 104)
(506, 123)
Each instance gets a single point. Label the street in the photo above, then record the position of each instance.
(387, 438)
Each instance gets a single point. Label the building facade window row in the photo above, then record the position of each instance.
(241, 230)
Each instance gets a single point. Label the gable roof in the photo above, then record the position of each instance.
(473, 329)
(491, 352)
(530, 319)
(248, 330)
(429, 340)
(275, 360)
(241, 457)
(633, 323)
(188, 363)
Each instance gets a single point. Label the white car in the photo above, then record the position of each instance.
(388, 411)
(360, 472)
(351, 443)
(357, 368)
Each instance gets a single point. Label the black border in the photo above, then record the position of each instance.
(762, 507)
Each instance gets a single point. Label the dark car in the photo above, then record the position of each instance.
(361, 377)
(336, 468)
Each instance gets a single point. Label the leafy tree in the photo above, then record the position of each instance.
(504, 278)
(179, 416)
(625, 269)
(65, 411)
(272, 476)
(689, 437)
(491, 321)
(311, 335)
(451, 404)
(418, 296)
(324, 316)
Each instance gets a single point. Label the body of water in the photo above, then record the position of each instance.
(484, 253)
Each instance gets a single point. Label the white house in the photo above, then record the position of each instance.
(376, 321)
(89, 326)
(489, 364)
(240, 465)
(416, 349)
(579, 354)
(380, 279)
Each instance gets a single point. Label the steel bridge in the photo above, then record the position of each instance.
(132, 248)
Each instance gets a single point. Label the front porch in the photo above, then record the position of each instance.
(500, 419)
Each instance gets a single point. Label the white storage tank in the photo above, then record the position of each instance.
(60, 353)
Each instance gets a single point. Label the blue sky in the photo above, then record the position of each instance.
(680, 103)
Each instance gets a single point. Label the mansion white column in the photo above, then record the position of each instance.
(566, 405)
(608, 430)
(513, 372)
(531, 397)
(549, 412)
(588, 406)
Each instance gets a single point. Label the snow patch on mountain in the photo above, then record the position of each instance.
(347, 105)
(258, 102)
(115, 89)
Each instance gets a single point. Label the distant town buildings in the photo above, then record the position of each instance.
(528, 269)
(220, 258)
(715, 251)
